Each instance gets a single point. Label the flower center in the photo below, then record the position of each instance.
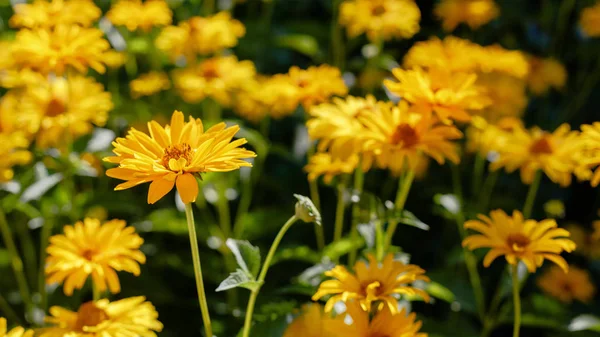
(372, 289)
(517, 242)
(378, 10)
(541, 146)
(55, 107)
(89, 315)
(405, 135)
(88, 254)
(210, 70)
(177, 156)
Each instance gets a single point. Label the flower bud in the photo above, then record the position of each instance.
(306, 210)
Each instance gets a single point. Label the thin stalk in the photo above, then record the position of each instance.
(8, 311)
(198, 269)
(97, 295)
(224, 214)
(16, 262)
(486, 191)
(265, 125)
(531, 194)
(516, 300)
(263, 274)
(339, 213)
(359, 181)
(314, 195)
(212, 111)
(46, 231)
(404, 185)
(247, 194)
(28, 253)
(337, 38)
(478, 169)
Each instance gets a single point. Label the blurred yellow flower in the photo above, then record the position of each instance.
(380, 19)
(135, 14)
(90, 248)
(508, 96)
(218, 78)
(47, 14)
(545, 74)
(323, 164)
(13, 152)
(250, 100)
(576, 284)
(313, 322)
(373, 282)
(200, 36)
(475, 13)
(487, 138)
(15, 332)
(452, 96)
(386, 323)
(316, 85)
(174, 155)
(114, 59)
(132, 316)
(554, 208)
(590, 153)
(149, 84)
(588, 244)
(519, 239)
(590, 20)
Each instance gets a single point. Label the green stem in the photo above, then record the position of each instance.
(339, 213)
(8, 311)
(359, 181)
(265, 124)
(224, 214)
(564, 12)
(247, 194)
(44, 238)
(97, 295)
(404, 185)
(198, 270)
(212, 111)
(28, 250)
(337, 38)
(516, 300)
(531, 194)
(486, 190)
(17, 263)
(314, 195)
(263, 274)
(478, 169)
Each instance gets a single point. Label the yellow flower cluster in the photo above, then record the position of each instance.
(590, 20)
(44, 14)
(15, 332)
(474, 13)
(135, 14)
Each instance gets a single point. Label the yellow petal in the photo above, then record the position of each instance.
(158, 189)
(187, 186)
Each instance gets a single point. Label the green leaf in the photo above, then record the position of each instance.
(246, 255)
(585, 322)
(300, 253)
(238, 279)
(408, 218)
(304, 44)
(342, 247)
(439, 291)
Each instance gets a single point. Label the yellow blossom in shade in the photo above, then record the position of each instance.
(519, 239)
(452, 96)
(590, 20)
(588, 242)
(132, 316)
(386, 323)
(535, 149)
(589, 154)
(174, 155)
(475, 13)
(47, 14)
(200, 36)
(218, 78)
(508, 96)
(250, 100)
(576, 284)
(149, 84)
(317, 84)
(13, 152)
(545, 74)
(313, 322)
(372, 282)
(15, 332)
(323, 164)
(91, 248)
(59, 49)
(487, 138)
(380, 19)
(135, 14)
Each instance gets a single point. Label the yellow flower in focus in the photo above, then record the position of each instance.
(475, 13)
(218, 78)
(316, 85)
(452, 96)
(323, 164)
(135, 14)
(519, 239)
(545, 74)
(385, 323)
(380, 19)
(200, 36)
(371, 283)
(47, 14)
(132, 316)
(508, 96)
(59, 49)
(566, 287)
(149, 84)
(90, 248)
(15, 332)
(532, 150)
(313, 322)
(13, 152)
(590, 20)
(175, 155)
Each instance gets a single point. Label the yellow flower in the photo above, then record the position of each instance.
(313, 322)
(452, 96)
(379, 19)
(174, 155)
(316, 85)
(114, 59)
(574, 285)
(218, 78)
(474, 13)
(544, 74)
(385, 323)
(588, 242)
(323, 164)
(373, 282)
(517, 239)
(132, 316)
(590, 152)
(59, 49)
(590, 20)
(508, 96)
(200, 36)
(90, 248)
(13, 152)
(135, 14)
(487, 138)
(47, 14)
(250, 101)
(535, 149)
(15, 332)
(149, 84)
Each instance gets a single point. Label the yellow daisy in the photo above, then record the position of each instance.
(486, 138)
(519, 239)
(317, 84)
(545, 74)
(250, 101)
(13, 152)
(475, 13)
(508, 96)
(379, 18)
(132, 316)
(452, 96)
(590, 20)
(371, 283)
(313, 322)
(323, 164)
(15, 332)
(566, 287)
(589, 154)
(175, 155)
(385, 323)
(47, 14)
(149, 84)
(90, 248)
(135, 14)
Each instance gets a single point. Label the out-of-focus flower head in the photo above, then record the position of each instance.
(590, 20)
(149, 84)
(385, 322)
(545, 74)
(15, 332)
(588, 242)
(316, 85)
(380, 19)
(487, 138)
(589, 155)
(475, 13)
(566, 287)
(47, 14)
(313, 322)
(323, 164)
(13, 152)
(508, 96)
(135, 14)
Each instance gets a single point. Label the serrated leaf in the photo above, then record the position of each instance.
(246, 255)
(238, 279)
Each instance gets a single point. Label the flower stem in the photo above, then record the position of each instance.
(17, 263)
(516, 300)
(404, 185)
(337, 38)
(314, 195)
(263, 274)
(339, 213)
(531, 194)
(478, 169)
(8, 311)
(198, 269)
(486, 191)
(359, 181)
